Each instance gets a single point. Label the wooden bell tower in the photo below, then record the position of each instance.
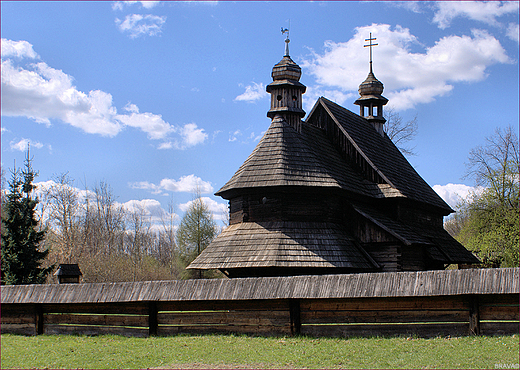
(286, 90)
(371, 101)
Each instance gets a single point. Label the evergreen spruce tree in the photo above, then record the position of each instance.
(21, 240)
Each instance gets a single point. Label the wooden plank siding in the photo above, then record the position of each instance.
(456, 302)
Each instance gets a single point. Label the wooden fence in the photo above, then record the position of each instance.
(454, 302)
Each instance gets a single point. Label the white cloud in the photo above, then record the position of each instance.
(150, 209)
(151, 213)
(147, 207)
(482, 11)
(409, 77)
(18, 49)
(42, 93)
(233, 136)
(138, 24)
(314, 92)
(165, 145)
(218, 210)
(513, 32)
(152, 124)
(23, 144)
(257, 138)
(253, 92)
(453, 194)
(119, 5)
(132, 108)
(192, 135)
(186, 184)
(413, 6)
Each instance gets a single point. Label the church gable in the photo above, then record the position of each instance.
(322, 117)
(373, 154)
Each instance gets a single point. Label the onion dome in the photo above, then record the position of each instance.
(371, 101)
(286, 69)
(286, 91)
(371, 87)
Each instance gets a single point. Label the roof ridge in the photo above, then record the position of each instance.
(392, 166)
(352, 141)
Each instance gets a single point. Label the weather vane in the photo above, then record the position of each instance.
(287, 41)
(370, 39)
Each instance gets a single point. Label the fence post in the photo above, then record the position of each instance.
(474, 315)
(294, 311)
(38, 319)
(152, 318)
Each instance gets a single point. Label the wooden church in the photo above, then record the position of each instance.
(328, 195)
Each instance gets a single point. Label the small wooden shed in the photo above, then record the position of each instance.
(68, 273)
(331, 194)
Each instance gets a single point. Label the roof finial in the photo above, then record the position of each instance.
(287, 41)
(370, 39)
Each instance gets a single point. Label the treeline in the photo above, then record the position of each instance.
(58, 223)
(111, 242)
(487, 222)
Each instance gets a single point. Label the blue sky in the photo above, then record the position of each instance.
(154, 98)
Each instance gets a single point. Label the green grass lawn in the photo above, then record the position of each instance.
(229, 351)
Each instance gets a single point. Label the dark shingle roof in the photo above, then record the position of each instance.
(284, 157)
(68, 269)
(283, 244)
(384, 156)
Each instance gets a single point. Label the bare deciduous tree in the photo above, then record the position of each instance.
(495, 165)
(491, 226)
(400, 132)
(137, 239)
(63, 217)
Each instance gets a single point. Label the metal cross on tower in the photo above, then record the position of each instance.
(370, 39)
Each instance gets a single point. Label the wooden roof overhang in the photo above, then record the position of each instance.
(439, 244)
(364, 285)
(287, 82)
(302, 245)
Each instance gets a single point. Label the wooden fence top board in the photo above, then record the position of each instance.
(387, 284)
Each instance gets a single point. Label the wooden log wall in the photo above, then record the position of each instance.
(420, 316)
(488, 307)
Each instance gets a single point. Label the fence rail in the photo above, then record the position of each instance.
(85, 309)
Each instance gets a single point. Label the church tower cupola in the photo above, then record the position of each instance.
(286, 90)
(371, 101)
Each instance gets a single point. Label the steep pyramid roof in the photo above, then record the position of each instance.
(284, 157)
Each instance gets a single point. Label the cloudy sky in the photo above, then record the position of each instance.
(156, 98)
